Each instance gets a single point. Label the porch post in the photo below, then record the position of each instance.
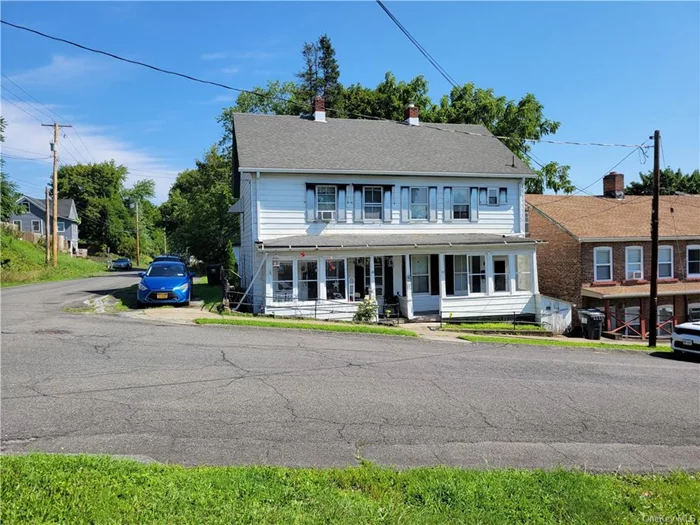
(443, 287)
(372, 284)
(642, 319)
(398, 282)
(535, 280)
(321, 278)
(489, 273)
(409, 287)
(607, 315)
(511, 272)
(268, 283)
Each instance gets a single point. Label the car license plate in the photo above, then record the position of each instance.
(161, 296)
(687, 342)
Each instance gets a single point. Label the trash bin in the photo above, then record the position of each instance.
(213, 272)
(591, 322)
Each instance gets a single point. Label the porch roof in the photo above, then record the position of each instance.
(343, 241)
(620, 291)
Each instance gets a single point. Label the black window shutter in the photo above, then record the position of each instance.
(450, 274)
(434, 274)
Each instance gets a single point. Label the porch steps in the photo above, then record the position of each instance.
(426, 317)
(612, 335)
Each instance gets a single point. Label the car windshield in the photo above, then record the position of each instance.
(122, 260)
(166, 270)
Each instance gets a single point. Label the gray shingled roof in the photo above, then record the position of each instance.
(393, 240)
(64, 206)
(288, 142)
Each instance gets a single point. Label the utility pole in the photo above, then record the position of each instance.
(653, 289)
(138, 245)
(54, 223)
(46, 224)
(165, 241)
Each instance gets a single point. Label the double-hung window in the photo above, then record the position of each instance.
(501, 277)
(335, 279)
(460, 203)
(419, 204)
(326, 202)
(477, 274)
(420, 274)
(61, 227)
(634, 263)
(36, 226)
(282, 281)
(693, 257)
(308, 279)
(523, 272)
(602, 263)
(372, 196)
(18, 224)
(493, 197)
(665, 262)
(461, 271)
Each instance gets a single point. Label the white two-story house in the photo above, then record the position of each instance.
(335, 209)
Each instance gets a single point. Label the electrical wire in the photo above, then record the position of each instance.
(38, 110)
(420, 48)
(21, 109)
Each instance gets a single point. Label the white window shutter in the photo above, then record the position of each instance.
(341, 204)
(404, 204)
(447, 205)
(310, 204)
(387, 205)
(474, 207)
(432, 203)
(358, 205)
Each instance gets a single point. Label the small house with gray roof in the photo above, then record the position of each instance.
(32, 218)
(429, 216)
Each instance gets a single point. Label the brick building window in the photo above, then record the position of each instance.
(633, 263)
(693, 261)
(602, 262)
(665, 262)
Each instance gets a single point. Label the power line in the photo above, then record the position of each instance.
(18, 107)
(38, 110)
(282, 99)
(24, 158)
(420, 48)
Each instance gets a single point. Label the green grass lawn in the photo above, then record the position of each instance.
(211, 295)
(495, 326)
(97, 489)
(304, 325)
(26, 264)
(561, 342)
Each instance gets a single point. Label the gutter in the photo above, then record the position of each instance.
(260, 245)
(295, 171)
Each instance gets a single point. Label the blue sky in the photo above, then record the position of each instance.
(609, 72)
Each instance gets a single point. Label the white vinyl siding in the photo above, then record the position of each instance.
(602, 264)
(634, 263)
(665, 262)
(693, 258)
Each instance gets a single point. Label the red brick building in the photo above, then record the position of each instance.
(598, 255)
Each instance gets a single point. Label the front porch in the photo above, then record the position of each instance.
(445, 281)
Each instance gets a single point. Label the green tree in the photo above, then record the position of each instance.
(320, 75)
(196, 215)
(670, 182)
(8, 189)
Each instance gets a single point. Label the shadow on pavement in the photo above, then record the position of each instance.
(675, 356)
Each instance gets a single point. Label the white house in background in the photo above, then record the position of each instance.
(335, 209)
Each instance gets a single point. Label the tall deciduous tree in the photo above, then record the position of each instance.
(671, 182)
(8, 188)
(196, 215)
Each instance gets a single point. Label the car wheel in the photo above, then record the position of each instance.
(139, 305)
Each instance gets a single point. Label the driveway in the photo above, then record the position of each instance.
(233, 395)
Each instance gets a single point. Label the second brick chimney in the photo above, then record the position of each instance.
(319, 109)
(411, 115)
(614, 185)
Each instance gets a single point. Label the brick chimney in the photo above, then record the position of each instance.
(411, 115)
(614, 185)
(319, 109)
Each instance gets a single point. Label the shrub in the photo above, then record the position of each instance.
(366, 310)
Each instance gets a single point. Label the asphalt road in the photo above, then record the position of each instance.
(228, 395)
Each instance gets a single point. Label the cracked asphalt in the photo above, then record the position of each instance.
(193, 395)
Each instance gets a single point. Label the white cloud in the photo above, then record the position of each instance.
(25, 133)
(215, 56)
(62, 70)
(230, 70)
(255, 54)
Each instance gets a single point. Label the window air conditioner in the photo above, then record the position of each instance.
(636, 276)
(326, 216)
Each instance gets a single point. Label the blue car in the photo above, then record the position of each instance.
(165, 282)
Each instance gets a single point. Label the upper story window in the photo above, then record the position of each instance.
(665, 262)
(61, 227)
(326, 202)
(633, 263)
(493, 196)
(693, 261)
(23, 208)
(419, 204)
(373, 203)
(460, 203)
(602, 263)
